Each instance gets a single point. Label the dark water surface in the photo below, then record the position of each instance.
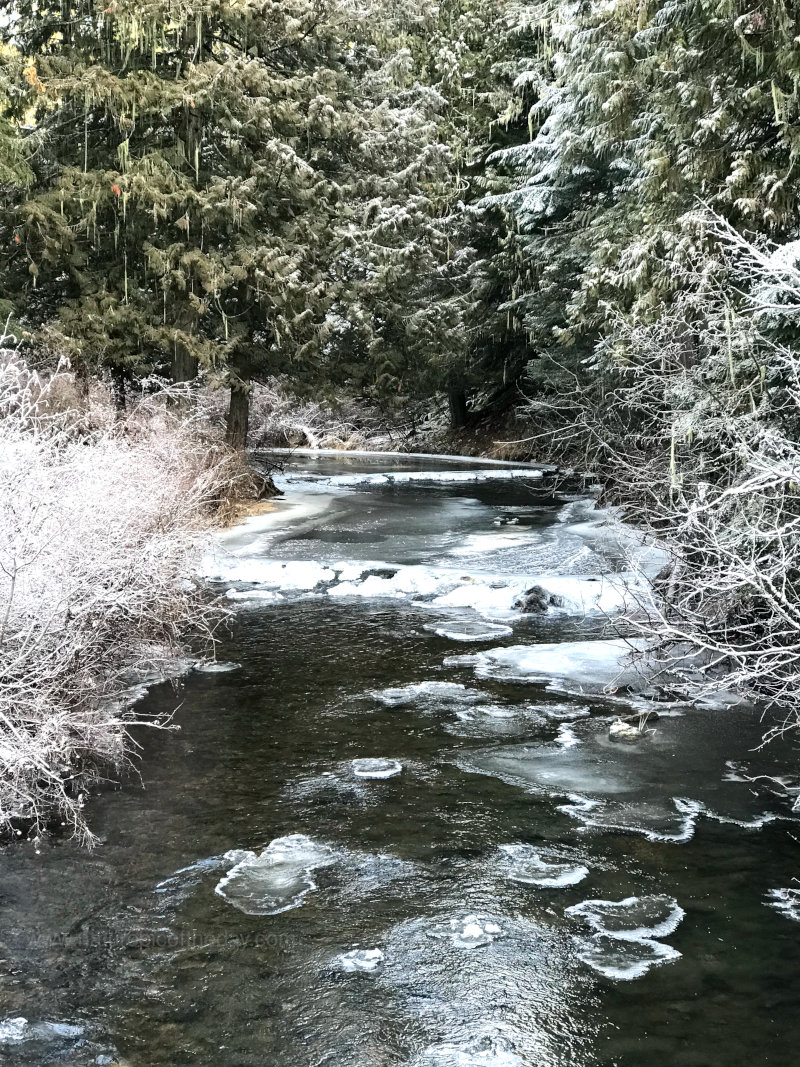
(469, 954)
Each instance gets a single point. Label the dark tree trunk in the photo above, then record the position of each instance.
(238, 418)
(457, 403)
(184, 367)
(118, 389)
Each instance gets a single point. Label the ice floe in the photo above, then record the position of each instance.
(468, 630)
(631, 919)
(593, 666)
(625, 961)
(525, 864)
(624, 945)
(376, 768)
(361, 961)
(281, 876)
(634, 788)
(277, 879)
(427, 692)
(216, 667)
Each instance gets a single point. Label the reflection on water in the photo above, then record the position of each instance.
(364, 848)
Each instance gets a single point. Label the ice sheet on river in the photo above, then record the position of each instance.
(658, 788)
(584, 666)
(493, 595)
(424, 477)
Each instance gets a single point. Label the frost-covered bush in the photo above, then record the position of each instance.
(694, 420)
(99, 529)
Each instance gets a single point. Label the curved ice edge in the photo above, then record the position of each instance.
(592, 912)
(527, 866)
(632, 968)
(580, 807)
(786, 901)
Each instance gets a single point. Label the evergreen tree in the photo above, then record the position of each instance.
(182, 201)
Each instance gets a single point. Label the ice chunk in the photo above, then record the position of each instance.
(469, 931)
(632, 919)
(376, 768)
(362, 961)
(625, 960)
(13, 1031)
(469, 630)
(276, 880)
(216, 667)
(786, 901)
(523, 863)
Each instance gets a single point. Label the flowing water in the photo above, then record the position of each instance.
(393, 828)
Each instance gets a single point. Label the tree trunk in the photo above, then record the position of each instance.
(184, 367)
(118, 389)
(238, 418)
(457, 403)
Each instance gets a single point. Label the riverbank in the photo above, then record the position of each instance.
(103, 519)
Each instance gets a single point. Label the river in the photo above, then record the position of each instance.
(391, 831)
